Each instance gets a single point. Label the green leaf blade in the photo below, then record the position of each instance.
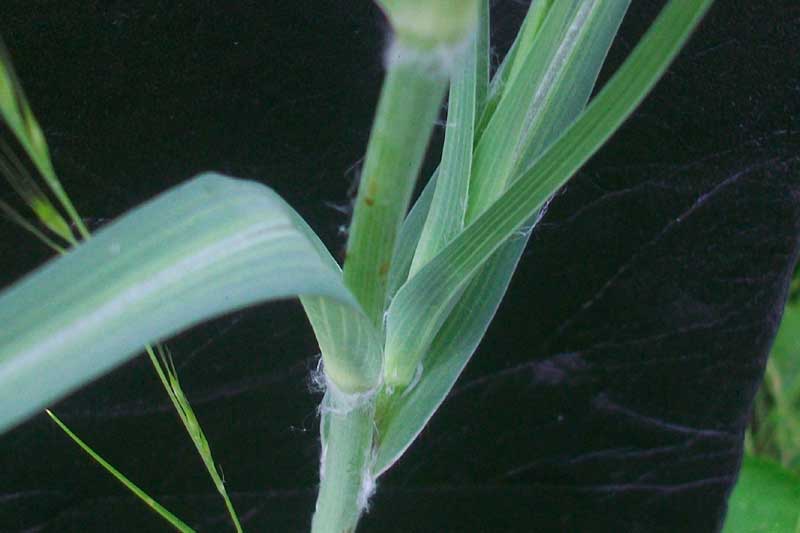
(173, 520)
(402, 417)
(555, 76)
(207, 247)
(521, 46)
(17, 114)
(445, 218)
(410, 332)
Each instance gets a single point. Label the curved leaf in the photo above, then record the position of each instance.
(204, 248)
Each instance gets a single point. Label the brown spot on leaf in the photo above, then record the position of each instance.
(372, 187)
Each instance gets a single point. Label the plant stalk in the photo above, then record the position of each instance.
(408, 107)
(345, 476)
(411, 96)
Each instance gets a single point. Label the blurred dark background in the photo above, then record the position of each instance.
(611, 391)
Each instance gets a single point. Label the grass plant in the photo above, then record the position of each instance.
(397, 323)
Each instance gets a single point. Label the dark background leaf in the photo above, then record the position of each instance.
(613, 388)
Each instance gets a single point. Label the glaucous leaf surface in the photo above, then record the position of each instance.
(207, 247)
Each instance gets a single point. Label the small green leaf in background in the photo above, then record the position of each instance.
(766, 499)
(767, 495)
(781, 426)
(774, 432)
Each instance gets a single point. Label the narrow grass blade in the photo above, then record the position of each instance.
(571, 82)
(204, 248)
(165, 369)
(27, 188)
(563, 61)
(520, 47)
(142, 495)
(576, 78)
(445, 217)
(408, 237)
(446, 214)
(483, 62)
(18, 219)
(417, 311)
(401, 417)
(16, 112)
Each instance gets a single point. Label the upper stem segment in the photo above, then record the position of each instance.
(409, 105)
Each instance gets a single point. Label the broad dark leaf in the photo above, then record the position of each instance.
(613, 388)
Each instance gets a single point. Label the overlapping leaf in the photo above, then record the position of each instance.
(448, 273)
(559, 78)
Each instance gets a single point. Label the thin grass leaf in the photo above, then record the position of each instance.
(165, 369)
(575, 80)
(18, 219)
(412, 226)
(483, 63)
(445, 217)
(207, 247)
(573, 34)
(521, 46)
(27, 188)
(408, 237)
(401, 417)
(142, 495)
(16, 112)
(416, 313)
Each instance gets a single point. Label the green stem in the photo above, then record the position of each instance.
(346, 456)
(409, 105)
